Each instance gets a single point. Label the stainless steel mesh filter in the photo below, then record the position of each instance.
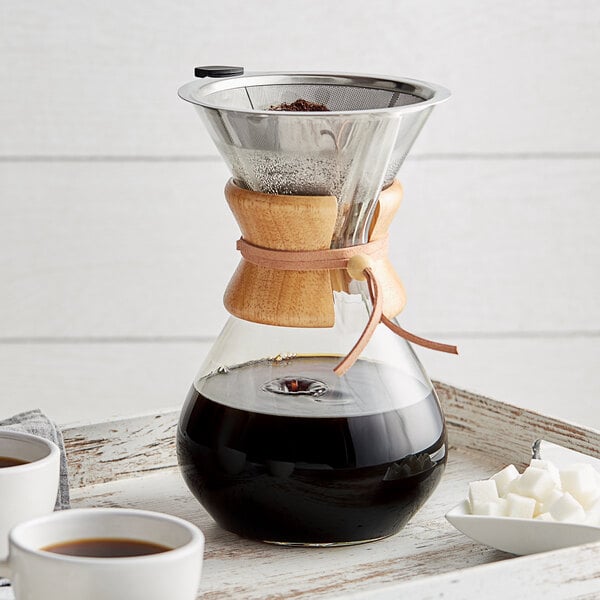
(335, 97)
(351, 152)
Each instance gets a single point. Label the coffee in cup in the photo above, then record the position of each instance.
(29, 476)
(74, 554)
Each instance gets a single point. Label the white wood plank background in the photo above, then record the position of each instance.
(116, 244)
(100, 78)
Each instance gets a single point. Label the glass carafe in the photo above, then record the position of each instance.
(272, 442)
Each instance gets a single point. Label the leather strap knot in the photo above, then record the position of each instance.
(357, 260)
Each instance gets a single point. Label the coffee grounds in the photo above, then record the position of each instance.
(300, 105)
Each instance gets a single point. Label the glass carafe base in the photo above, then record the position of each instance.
(350, 465)
(324, 544)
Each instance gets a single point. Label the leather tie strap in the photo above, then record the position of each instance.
(310, 260)
(357, 260)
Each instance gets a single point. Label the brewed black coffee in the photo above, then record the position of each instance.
(9, 461)
(288, 452)
(106, 548)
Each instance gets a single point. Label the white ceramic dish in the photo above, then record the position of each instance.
(520, 536)
(528, 536)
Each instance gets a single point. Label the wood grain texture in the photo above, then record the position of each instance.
(275, 297)
(506, 431)
(561, 575)
(523, 74)
(394, 294)
(428, 559)
(263, 293)
(102, 249)
(387, 206)
(120, 449)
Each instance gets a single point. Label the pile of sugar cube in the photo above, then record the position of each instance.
(542, 491)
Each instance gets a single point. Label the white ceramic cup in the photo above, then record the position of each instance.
(26, 491)
(37, 574)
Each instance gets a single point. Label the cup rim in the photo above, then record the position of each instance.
(196, 540)
(53, 454)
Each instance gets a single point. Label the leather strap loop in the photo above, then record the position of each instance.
(338, 258)
(310, 260)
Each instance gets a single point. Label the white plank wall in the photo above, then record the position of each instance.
(116, 244)
(99, 78)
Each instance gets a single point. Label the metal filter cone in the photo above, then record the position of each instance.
(351, 152)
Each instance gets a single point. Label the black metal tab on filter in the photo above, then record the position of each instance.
(218, 71)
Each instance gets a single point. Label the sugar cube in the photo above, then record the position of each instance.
(542, 491)
(482, 491)
(590, 499)
(592, 514)
(546, 516)
(580, 481)
(566, 508)
(493, 508)
(504, 478)
(550, 500)
(535, 483)
(547, 466)
(519, 506)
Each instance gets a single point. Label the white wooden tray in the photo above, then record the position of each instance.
(132, 463)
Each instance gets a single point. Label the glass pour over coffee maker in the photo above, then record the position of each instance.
(312, 422)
